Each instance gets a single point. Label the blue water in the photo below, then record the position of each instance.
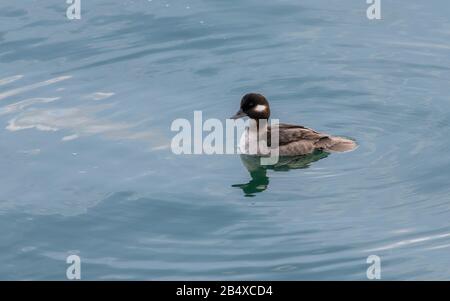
(86, 166)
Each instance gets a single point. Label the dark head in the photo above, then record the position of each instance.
(254, 106)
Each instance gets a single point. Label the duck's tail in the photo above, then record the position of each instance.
(337, 144)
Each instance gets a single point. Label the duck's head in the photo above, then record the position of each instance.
(254, 106)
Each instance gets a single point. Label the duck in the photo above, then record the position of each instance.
(293, 140)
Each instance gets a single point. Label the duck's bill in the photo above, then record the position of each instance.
(238, 115)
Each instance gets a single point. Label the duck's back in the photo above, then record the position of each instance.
(299, 140)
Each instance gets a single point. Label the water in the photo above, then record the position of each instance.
(86, 168)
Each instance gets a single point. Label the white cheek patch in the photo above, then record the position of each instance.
(260, 108)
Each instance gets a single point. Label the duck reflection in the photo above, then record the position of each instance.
(258, 173)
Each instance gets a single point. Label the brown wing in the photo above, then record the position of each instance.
(293, 133)
(299, 140)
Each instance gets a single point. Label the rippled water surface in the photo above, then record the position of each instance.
(86, 166)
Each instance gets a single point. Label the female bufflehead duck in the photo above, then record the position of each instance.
(294, 140)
